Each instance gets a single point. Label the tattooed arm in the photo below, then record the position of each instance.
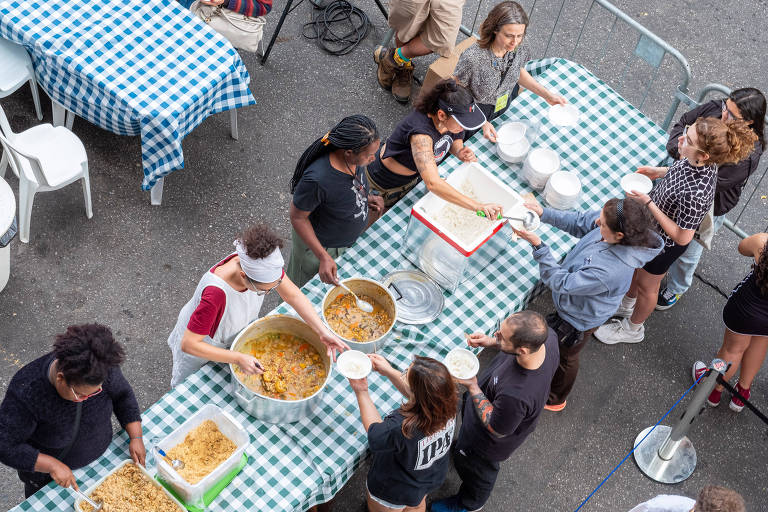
(482, 406)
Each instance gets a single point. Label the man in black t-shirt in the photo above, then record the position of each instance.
(502, 407)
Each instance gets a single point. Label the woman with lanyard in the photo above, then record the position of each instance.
(493, 68)
(331, 204)
(422, 140)
(229, 297)
(683, 195)
(589, 284)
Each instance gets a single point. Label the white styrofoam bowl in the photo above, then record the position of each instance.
(513, 153)
(539, 166)
(469, 355)
(563, 115)
(348, 358)
(636, 182)
(563, 190)
(511, 133)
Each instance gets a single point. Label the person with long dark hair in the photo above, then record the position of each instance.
(587, 287)
(749, 105)
(332, 204)
(684, 193)
(493, 68)
(57, 410)
(422, 140)
(409, 445)
(745, 316)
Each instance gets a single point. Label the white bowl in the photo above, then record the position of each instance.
(636, 182)
(470, 360)
(539, 166)
(511, 133)
(354, 364)
(563, 115)
(513, 153)
(563, 190)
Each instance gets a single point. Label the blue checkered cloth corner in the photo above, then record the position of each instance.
(133, 67)
(293, 467)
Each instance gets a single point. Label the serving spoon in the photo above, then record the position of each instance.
(175, 463)
(96, 505)
(361, 304)
(528, 220)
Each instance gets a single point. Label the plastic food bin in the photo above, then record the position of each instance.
(154, 482)
(193, 494)
(430, 244)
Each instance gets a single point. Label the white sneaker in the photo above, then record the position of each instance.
(623, 312)
(618, 331)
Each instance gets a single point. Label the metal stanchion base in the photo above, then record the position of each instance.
(672, 471)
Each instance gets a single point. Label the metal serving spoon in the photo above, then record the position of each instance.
(96, 505)
(175, 463)
(361, 304)
(529, 220)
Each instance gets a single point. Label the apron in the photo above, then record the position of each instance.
(241, 309)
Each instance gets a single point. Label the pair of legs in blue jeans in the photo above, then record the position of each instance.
(680, 274)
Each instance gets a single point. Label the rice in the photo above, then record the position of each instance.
(465, 225)
(354, 369)
(460, 364)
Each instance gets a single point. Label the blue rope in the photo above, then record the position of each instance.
(638, 444)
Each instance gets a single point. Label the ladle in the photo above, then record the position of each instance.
(529, 220)
(361, 304)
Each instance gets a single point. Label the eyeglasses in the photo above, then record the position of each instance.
(687, 142)
(83, 398)
(731, 115)
(258, 291)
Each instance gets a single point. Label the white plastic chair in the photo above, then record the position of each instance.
(44, 158)
(15, 69)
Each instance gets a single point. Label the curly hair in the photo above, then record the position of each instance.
(727, 142)
(447, 90)
(504, 13)
(638, 223)
(260, 241)
(761, 271)
(713, 498)
(85, 354)
(433, 399)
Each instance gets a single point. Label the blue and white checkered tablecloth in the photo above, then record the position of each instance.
(295, 466)
(134, 67)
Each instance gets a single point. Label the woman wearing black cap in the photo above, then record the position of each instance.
(422, 140)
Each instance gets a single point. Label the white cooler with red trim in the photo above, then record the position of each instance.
(431, 244)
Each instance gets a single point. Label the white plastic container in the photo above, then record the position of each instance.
(193, 494)
(563, 190)
(88, 492)
(539, 166)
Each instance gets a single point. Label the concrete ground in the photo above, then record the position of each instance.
(132, 266)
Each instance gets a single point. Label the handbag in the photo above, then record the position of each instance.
(706, 231)
(242, 31)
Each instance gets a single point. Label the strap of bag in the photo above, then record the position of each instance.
(75, 431)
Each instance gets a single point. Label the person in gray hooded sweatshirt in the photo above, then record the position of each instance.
(587, 287)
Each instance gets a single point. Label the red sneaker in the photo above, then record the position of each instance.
(736, 404)
(713, 400)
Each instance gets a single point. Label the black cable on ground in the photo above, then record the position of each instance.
(731, 390)
(338, 27)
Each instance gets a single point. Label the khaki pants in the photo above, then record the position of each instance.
(437, 21)
(303, 264)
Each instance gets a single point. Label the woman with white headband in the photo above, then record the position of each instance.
(229, 297)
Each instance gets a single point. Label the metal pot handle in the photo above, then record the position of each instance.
(240, 396)
(394, 287)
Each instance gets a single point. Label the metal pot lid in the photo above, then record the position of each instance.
(419, 299)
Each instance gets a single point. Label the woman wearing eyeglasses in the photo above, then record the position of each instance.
(747, 104)
(57, 412)
(681, 198)
(229, 297)
(332, 204)
(493, 67)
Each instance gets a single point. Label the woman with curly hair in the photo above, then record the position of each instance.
(745, 315)
(57, 411)
(229, 297)
(409, 445)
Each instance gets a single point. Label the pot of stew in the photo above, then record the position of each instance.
(296, 369)
(362, 331)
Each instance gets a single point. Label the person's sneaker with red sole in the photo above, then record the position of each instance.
(699, 369)
(736, 404)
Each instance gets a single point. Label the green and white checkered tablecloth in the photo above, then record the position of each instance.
(293, 467)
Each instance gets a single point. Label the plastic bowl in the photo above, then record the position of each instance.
(354, 364)
(462, 353)
(563, 115)
(636, 182)
(563, 190)
(511, 133)
(514, 153)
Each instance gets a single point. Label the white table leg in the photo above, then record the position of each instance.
(61, 116)
(233, 123)
(156, 193)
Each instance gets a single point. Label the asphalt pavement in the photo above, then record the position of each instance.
(132, 266)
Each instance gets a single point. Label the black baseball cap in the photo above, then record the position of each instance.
(469, 117)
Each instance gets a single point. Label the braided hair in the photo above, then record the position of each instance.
(353, 133)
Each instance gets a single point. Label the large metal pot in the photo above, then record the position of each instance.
(273, 410)
(373, 289)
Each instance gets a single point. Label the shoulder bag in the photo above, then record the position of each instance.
(244, 32)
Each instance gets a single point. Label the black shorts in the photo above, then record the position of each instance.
(659, 265)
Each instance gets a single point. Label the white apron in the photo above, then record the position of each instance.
(241, 309)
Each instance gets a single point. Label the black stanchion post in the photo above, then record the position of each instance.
(667, 455)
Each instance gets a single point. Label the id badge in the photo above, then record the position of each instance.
(501, 102)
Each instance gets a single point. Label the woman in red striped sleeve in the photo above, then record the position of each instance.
(251, 8)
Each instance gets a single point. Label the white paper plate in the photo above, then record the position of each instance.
(563, 115)
(353, 364)
(637, 182)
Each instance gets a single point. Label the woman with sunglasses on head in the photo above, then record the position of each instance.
(229, 297)
(683, 195)
(56, 415)
(332, 204)
(747, 104)
(493, 69)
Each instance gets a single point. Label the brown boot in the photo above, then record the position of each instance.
(387, 66)
(401, 85)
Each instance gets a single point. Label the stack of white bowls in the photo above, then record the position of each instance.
(563, 190)
(539, 166)
(511, 143)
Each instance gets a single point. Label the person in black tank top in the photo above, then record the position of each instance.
(745, 315)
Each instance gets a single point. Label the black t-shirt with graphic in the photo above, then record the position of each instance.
(404, 470)
(338, 202)
(399, 148)
(518, 396)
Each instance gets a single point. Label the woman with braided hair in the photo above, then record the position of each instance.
(332, 204)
